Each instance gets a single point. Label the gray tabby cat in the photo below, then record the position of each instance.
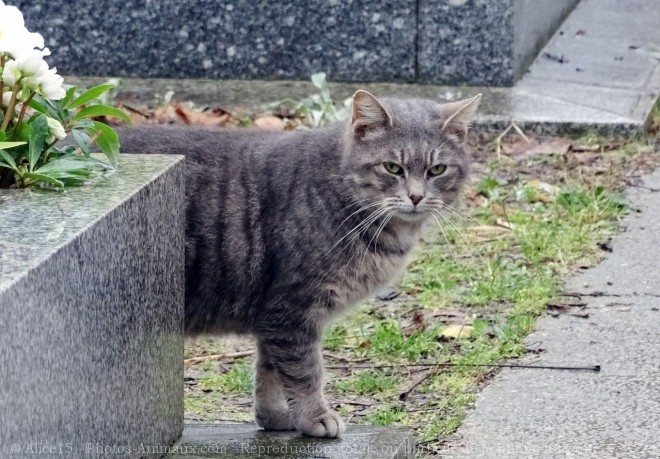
(287, 230)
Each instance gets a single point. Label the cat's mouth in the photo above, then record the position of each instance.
(412, 214)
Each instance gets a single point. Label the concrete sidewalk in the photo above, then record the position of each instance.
(563, 414)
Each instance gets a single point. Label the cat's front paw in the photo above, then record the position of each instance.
(327, 424)
(274, 419)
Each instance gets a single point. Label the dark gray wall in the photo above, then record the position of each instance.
(477, 42)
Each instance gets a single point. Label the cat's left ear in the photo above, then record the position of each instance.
(370, 119)
(457, 116)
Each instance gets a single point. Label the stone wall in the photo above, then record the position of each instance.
(476, 42)
(91, 315)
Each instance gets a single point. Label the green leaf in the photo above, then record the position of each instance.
(102, 110)
(43, 106)
(82, 140)
(7, 145)
(37, 139)
(66, 164)
(7, 160)
(69, 95)
(90, 95)
(318, 80)
(38, 106)
(38, 178)
(107, 140)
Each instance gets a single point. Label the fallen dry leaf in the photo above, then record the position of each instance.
(505, 224)
(213, 118)
(270, 123)
(523, 151)
(456, 331)
(417, 324)
(450, 315)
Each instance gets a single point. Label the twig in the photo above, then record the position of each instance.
(203, 358)
(594, 368)
(136, 111)
(403, 396)
(344, 359)
(21, 115)
(350, 402)
(498, 139)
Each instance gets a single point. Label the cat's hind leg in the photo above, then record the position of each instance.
(271, 408)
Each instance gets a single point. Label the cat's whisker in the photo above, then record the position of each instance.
(357, 230)
(361, 209)
(466, 243)
(458, 213)
(375, 236)
(366, 222)
(449, 243)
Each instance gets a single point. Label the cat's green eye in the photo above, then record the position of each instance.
(438, 169)
(393, 168)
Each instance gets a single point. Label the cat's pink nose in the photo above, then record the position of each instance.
(415, 199)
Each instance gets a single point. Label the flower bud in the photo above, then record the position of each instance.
(55, 129)
(11, 73)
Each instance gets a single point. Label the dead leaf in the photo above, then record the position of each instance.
(456, 331)
(497, 209)
(213, 118)
(270, 123)
(450, 315)
(417, 324)
(481, 200)
(595, 148)
(505, 224)
(580, 314)
(523, 151)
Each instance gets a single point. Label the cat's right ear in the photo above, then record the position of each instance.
(370, 119)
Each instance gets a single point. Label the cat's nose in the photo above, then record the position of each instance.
(415, 199)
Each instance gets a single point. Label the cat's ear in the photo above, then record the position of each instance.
(457, 116)
(370, 119)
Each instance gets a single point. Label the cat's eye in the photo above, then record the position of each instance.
(393, 168)
(438, 169)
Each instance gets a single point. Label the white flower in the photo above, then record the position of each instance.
(32, 64)
(55, 129)
(13, 34)
(5, 98)
(51, 85)
(11, 73)
(12, 16)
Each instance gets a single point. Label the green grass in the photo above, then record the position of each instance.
(239, 379)
(366, 383)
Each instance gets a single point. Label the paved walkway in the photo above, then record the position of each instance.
(612, 414)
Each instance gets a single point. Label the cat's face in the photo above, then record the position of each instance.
(406, 156)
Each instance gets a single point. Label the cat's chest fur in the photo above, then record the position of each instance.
(369, 271)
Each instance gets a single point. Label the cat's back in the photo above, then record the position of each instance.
(198, 144)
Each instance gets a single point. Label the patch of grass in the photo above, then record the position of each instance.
(366, 383)
(199, 405)
(239, 379)
(387, 416)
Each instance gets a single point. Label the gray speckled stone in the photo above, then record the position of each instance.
(248, 441)
(351, 40)
(484, 42)
(91, 314)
